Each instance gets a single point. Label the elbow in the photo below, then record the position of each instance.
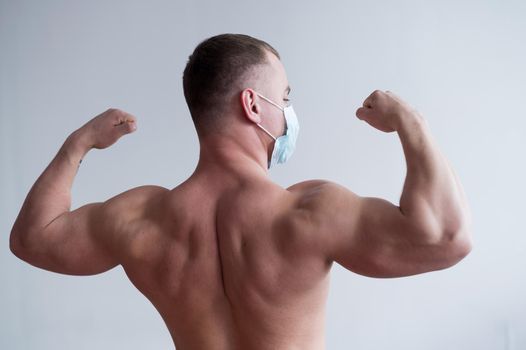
(460, 235)
(16, 246)
(15, 238)
(456, 232)
(463, 247)
(458, 244)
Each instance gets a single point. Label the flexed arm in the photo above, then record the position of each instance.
(45, 233)
(429, 230)
(433, 197)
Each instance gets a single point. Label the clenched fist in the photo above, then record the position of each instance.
(105, 129)
(385, 111)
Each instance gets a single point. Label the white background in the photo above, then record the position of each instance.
(460, 63)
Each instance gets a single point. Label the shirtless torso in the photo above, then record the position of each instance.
(230, 259)
(228, 267)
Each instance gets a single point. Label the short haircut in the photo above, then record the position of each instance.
(215, 70)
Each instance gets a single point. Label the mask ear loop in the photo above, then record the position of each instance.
(265, 130)
(274, 103)
(268, 100)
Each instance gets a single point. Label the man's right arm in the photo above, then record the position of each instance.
(428, 231)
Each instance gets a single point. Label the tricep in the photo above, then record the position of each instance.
(73, 243)
(372, 237)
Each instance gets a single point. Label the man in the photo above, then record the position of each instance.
(230, 259)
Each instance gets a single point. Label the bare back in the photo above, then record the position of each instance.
(229, 269)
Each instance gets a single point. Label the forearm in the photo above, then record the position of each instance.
(432, 196)
(50, 196)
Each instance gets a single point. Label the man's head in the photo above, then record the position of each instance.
(222, 78)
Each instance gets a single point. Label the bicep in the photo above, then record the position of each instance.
(75, 243)
(372, 237)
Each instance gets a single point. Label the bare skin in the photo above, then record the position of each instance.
(230, 259)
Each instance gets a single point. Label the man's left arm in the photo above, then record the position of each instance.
(46, 233)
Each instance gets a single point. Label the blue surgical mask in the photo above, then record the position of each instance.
(285, 144)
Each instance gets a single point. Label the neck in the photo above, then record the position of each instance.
(223, 154)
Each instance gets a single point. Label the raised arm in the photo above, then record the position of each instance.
(430, 228)
(46, 233)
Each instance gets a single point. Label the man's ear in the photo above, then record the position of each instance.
(250, 105)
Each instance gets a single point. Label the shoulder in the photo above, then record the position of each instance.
(320, 209)
(320, 194)
(143, 190)
(320, 203)
(308, 186)
(129, 213)
(137, 195)
(132, 203)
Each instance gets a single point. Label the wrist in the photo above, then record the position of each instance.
(76, 146)
(409, 120)
(80, 141)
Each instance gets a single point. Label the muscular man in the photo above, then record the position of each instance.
(230, 259)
